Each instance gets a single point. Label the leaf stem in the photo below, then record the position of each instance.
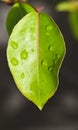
(11, 2)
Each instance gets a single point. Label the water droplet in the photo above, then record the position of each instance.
(32, 50)
(51, 48)
(44, 63)
(22, 75)
(49, 28)
(14, 45)
(57, 55)
(24, 54)
(50, 68)
(55, 61)
(47, 33)
(14, 61)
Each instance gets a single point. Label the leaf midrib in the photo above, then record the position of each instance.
(38, 47)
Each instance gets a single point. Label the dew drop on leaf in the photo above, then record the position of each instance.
(47, 33)
(24, 54)
(51, 48)
(44, 63)
(57, 55)
(14, 45)
(49, 28)
(55, 61)
(14, 61)
(50, 68)
(32, 50)
(22, 75)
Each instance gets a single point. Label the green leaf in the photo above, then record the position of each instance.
(73, 20)
(69, 6)
(35, 52)
(18, 11)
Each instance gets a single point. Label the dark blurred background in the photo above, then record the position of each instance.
(61, 111)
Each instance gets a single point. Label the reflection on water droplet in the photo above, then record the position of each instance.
(50, 68)
(24, 54)
(14, 61)
(51, 48)
(22, 75)
(49, 28)
(44, 63)
(14, 45)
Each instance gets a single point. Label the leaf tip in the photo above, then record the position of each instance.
(40, 107)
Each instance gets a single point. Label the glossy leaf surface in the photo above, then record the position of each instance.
(73, 20)
(18, 11)
(35, 52)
